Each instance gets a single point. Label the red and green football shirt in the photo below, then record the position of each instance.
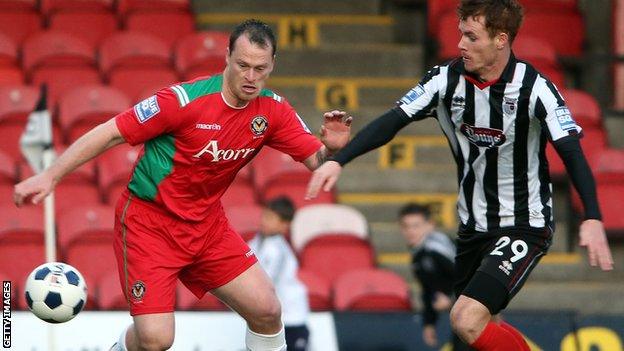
(195, 143)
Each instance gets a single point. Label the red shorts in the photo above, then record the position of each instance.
(154, 249)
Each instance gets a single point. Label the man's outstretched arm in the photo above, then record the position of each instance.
(90, 145)
(377, 133)
(592, 234)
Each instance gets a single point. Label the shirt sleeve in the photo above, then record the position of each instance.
(156, 115)
(552, 110)
(291, 135)
(421, 101)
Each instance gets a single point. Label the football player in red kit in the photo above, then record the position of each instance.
(169, 223)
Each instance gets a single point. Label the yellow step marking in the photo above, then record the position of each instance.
(404, 258)
(401, 152)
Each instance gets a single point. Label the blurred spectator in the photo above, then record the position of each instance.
(279, 261)
(433, 265)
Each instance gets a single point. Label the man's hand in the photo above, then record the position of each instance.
(336, 130)
(429, 335)
(33, 189)
(325, 176)
(592, 236)
(442, 302)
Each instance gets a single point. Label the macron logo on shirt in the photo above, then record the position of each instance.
(147, 109)
(211, 126)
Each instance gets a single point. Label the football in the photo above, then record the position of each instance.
(55, 292)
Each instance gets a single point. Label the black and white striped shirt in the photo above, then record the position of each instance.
(498, 135)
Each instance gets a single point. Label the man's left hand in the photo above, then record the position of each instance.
(336, 130)
(592, 236)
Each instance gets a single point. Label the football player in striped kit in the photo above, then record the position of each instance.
(497, 113)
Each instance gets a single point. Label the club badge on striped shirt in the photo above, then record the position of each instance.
(510, 105)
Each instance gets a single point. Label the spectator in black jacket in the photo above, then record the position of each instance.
(433, 261)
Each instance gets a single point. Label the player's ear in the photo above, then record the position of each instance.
(502, 40)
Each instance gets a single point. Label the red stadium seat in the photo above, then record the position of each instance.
(332, 255)
(8, 51)
(115, 166)
(83, 108)
(134, 81)
(584, 108)
(296, 192)
(50, 6)
(186, 300)
(16, 103)
(133, 50)
(548, 26)
(70, 196)
(240, 193)
(337, 219)
(554, 75)
(319, 290)
(201, 54)
(90, 27)
(560, 6)
(610, 194)
(21, 241)
(11, 76)
(608, 167)
(109, 294)
(271, 165)
(448, 36)
(178, 25)
(541, 55)
(21, 223)
(128, 6)
(61, 80)
(371, 290)
(244, 219)
(19, 25)
(86, 240)
(149, 91)
(609, 163)
(56, 49)
(8, 169)
(18, 5)
(533, 49)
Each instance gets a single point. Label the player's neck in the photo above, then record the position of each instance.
(495, 70)
(230, 98)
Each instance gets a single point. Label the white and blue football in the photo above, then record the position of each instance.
(55, 292)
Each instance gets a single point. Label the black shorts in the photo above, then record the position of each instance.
(492, 267)
(297, 338)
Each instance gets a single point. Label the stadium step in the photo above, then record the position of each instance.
(310, 30)
(351, 93)
(349, 60)
(329, 7)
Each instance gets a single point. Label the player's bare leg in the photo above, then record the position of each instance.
(149, 332)
(473, 323)
(253, 297)
(468, 318)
